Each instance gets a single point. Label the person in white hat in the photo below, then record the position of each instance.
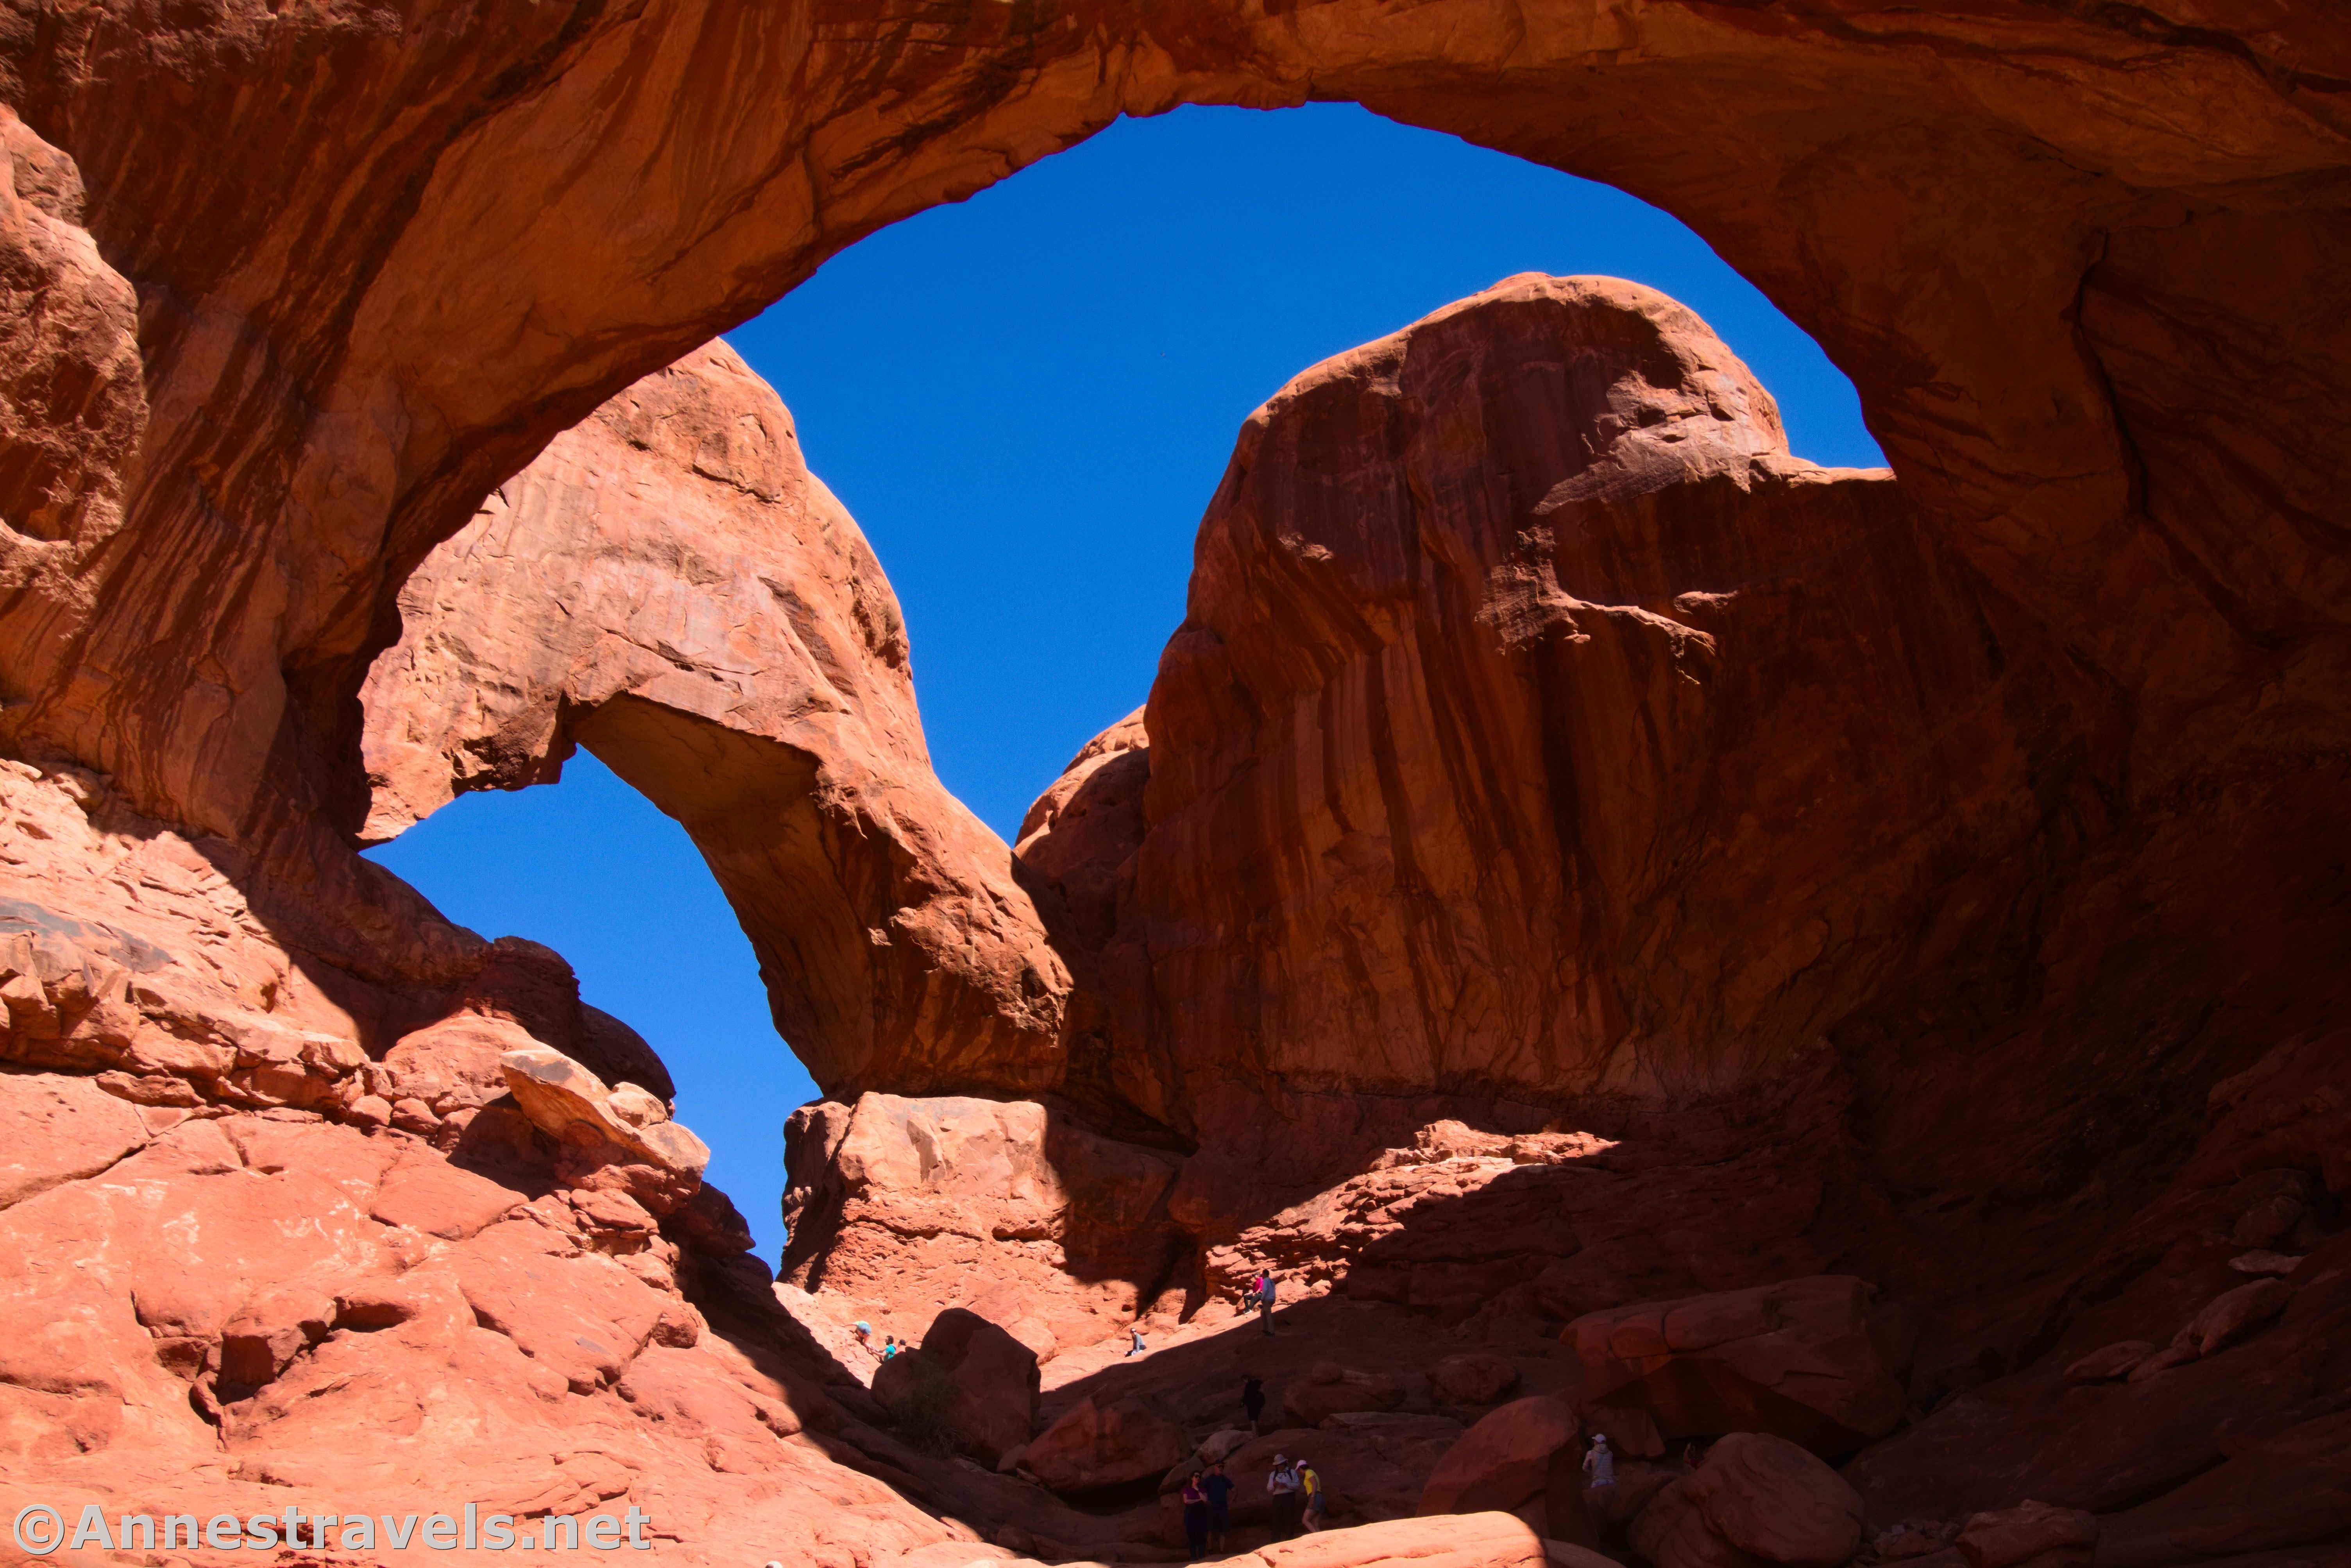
(1283, 1484)
(1600, 1463)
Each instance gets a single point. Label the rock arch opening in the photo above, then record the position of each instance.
(671, 589)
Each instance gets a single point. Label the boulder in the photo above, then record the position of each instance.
(1637, 1481)
(1474, 1377)
(987, 1382)
(1328, 1389)
(1104, 1443)
(890, 1199)
(572, 1104)
(2109, 1362)
(1522, 1459)
(1474, 1540)
(1813, 1360)
(2031, 1533)
(1756, 1494)
(2265, 1262)
(2234, 1315)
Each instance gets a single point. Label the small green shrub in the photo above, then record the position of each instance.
(918, 1399)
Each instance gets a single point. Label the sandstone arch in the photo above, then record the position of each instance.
(2071, 263)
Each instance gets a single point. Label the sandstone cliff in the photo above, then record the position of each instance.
(1545, 746)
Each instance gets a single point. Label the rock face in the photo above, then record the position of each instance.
(987, 1380)
(1472, 1378)
(1329, 1389)
(251, 1204)
(1522, 1458)
(1102, 1444)
(669, 585)
(2032, 1532)
(1500, 631)
(1760, 1498)
(1810, 1360)
(898, 1207)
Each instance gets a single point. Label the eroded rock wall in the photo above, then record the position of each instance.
(1579, 856)
(252, 1205)
(901, 1208)
(2016, 228)
(1539, 726)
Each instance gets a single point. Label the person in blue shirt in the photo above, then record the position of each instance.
(1218, 1487)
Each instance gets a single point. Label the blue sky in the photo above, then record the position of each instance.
(1026, 399)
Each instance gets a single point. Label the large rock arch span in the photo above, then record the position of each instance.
(2076, 264)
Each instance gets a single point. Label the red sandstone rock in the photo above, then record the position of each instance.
(897, 1207)
(2109, 1362)
(427, 1194)
(1080, 833)
(1472, 1378)
(1759, 1496)
(2029, 1532)
(989, 1379)
(1472, 1540)
(2234, 1315)
(1808, 1359)
(670, 586)
(1329, 1389)
(1099, 1445)
(571, 1104)
(1522, 1458)
(55, 1129)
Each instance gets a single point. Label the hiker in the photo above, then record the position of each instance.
(1218, 1487)
(1265, 1300)
(1253, 1400)
(1318, 1497)
(1283, 1484)
(1134, 1331)
(1196, 1517)
(889, 1346)
(1600, 1463)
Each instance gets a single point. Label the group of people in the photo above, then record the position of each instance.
(890, 1348)
(1260, 1297)
(1300, 1502)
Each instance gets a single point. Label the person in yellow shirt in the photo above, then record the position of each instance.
(1318, 1500)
